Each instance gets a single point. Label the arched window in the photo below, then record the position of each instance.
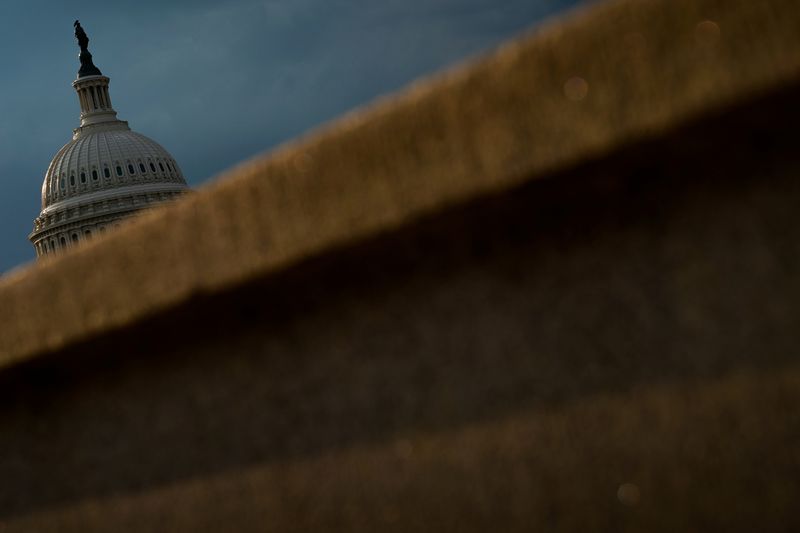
(119, 170)
(74, 237)
(161, 165)
(63, 184)
(141, 167)
(106, 172)
(63, 242)
(72, 179)
(88, 233)
(83, 177)
(130, 169)
(94, 174)
(152, 167)
(169, 166)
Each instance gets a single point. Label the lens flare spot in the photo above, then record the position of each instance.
(629, 494)
(576, 89)
(707, 34)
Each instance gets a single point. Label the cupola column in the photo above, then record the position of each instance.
(94, 100)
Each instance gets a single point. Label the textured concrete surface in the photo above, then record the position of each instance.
(480, 306)
(687, 453)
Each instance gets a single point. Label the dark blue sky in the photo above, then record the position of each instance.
(217, 82)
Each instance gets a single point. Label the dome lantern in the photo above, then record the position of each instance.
(92, 87)
(95, 101)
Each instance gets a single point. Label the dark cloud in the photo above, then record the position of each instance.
(216, 82)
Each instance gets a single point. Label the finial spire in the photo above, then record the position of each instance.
(87, 67)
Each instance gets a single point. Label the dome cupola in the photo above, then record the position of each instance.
(105, 173)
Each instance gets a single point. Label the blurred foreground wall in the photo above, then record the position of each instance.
(554, 290)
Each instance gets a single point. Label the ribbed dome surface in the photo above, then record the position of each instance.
(105, 160)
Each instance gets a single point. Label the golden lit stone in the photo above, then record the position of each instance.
(636, 45)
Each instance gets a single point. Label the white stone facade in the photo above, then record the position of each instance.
(105, 174)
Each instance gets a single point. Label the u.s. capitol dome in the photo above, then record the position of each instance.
(104, 174)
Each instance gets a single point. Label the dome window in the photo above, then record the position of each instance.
(119, 170)
(161, 165)
(94, 174)
(106, 172)
(169, 166)
(152, 166)
(141, 167)
(72, 180)
(83, 177)
(63, 184)
(131, 169)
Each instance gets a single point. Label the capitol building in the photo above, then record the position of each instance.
(104, 174)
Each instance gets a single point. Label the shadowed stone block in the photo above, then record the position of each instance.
(555, 289)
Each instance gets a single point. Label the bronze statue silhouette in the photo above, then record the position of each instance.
(87, 67)
(83, 39)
